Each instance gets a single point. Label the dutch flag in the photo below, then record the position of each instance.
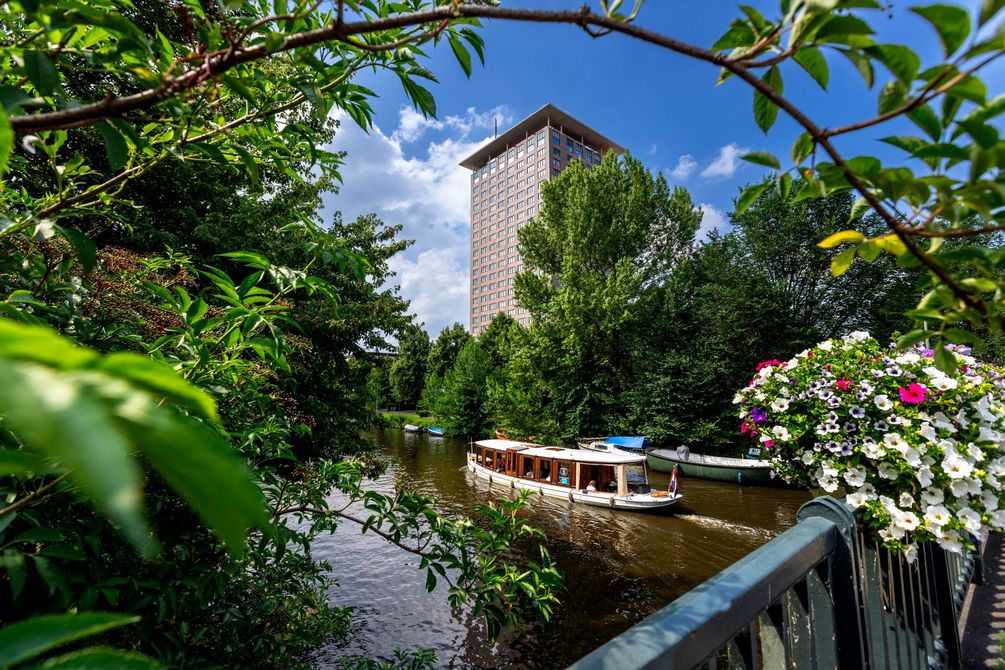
(672, 488)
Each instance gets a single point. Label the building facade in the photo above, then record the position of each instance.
(506, 178)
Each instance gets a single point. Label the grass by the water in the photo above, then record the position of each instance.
(399, 419)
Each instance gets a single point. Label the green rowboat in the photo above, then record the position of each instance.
(748, 472)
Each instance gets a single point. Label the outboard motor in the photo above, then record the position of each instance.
(683, 452)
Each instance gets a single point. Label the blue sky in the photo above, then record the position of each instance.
(664, 108)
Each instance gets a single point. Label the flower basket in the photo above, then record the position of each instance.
(918, 451)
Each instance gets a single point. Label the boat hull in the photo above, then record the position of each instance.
(749, 473)
(631, 502)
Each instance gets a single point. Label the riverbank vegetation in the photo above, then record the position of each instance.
(185, 343)
(639, 327)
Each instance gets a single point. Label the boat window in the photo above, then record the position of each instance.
(564, 473)
(544, 470)
(526, 467)
(636, 476)
(500, 461)
(480, 454)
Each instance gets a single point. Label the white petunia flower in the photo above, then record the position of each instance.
(971, 520)
(932, 496)
(937, 516)
(826, 345)
(896, 442)
(950, 541)
(883, 402)
(944, 383)
(855, 476)
(779, 404)
(956, 467)
(887, 471)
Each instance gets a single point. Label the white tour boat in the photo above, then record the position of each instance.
(619, 478)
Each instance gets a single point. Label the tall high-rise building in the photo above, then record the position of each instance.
(506, 178)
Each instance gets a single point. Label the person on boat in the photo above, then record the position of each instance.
(591, 487)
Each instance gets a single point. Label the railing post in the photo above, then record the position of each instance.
(845, 583)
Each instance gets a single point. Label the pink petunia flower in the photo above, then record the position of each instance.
(913, 394)
(843, 384)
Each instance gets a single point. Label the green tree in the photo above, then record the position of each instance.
(445, 349)
(497, 338)
(408, 372)
(605, 239)
(759, 292)
(462, 404)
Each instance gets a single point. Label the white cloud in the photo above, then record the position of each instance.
(726, 162)
(712, 218)
(685, 166)
(423, 189)
(412, 124)
(652, 149)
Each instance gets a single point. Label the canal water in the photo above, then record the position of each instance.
(620, 566)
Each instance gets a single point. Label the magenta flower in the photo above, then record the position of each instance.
(843, 384)
(913, 394)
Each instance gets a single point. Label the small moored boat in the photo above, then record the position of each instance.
(746, 471)
(436, 431)
(618, 479)
(633, 444)
(409, 428)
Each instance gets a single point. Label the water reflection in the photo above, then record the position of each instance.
(620, 566)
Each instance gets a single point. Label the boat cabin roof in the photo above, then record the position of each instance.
(579, 455)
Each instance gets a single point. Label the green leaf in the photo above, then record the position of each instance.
(762, 158)
(860, 206)
(960, 336)
(87, 253)
(908, 143)
(989, 8)
(95, 658)
(898, 59)
(765, 111)
(205, 471)
(784, 185)
(116, 147)
(420, 96)
(748, 196)
(891, 244)
(925, 118)
(6, 141)
(834, 240)
(430, 581)
(944, 359)
(950, 22)
(912, 338)
(41, 72)
(250, 164)
(801, 148)
(462, 55)
(157, 378)
(843, 261)
(24, 640)
(17, 569)
(862, 64)
(40, 344)
(738, 35)
(868, 251)
(21, 463)
(815, 65)
(58, 414)
(892, 95)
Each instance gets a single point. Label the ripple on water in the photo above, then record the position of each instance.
(620, 567)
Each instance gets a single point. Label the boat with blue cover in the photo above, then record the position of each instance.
(436, 431)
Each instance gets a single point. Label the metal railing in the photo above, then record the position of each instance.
(819, 595)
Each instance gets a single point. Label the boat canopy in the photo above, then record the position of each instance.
(628, 442)
(558, 453)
